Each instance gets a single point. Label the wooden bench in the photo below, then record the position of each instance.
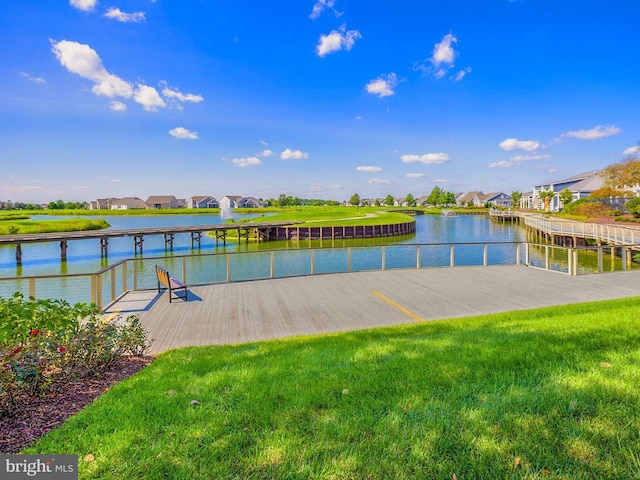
(170, 283)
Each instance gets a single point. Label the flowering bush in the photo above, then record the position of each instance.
(46, 343)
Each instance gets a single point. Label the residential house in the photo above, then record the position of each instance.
(473, 198)
(101, 203)
(236, 201)
(580, 186)
(128, 203)
(203, 202)
(400, 202)
(421, 201)
(497, 199)
(162, 201)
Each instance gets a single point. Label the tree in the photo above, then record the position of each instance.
(625, 173)
(607, 191)
(376, 203)
(434, 196)
(566, 197)
(355, 199)
(411, 201)
(389, 200)
(516, 196)
(447, 198)
(546, 196)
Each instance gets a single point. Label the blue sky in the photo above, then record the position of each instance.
(312, 98)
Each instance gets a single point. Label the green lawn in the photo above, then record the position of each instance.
(549, 393)
(11, 227)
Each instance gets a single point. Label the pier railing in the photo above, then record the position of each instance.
(109, 284)
(611, 234)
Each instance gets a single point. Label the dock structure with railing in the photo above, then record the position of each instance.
(106, 286)
(260, 231)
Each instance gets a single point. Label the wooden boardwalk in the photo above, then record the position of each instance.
(233, 313)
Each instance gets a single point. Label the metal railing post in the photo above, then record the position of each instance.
(384, 258)
(272, 260)
(451, 255)
(485, 256)
(228, 267)
(348, 259)
(313, 262)
(417, 256)
(600, 260)
(113, 285)
(546, 257)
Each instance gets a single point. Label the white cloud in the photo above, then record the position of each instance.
(337, 40)
(149, 98)
(289, 154)
(426, 158)
(118, 106)
(515, 144)
(169, 92)
(442, 60)
(246, 162)
(502, 164)
(462, 73)
(82, 60)
(631, 150)
(594, 133)
(443, 52)
(527, 158)
(379, 181)
(86, 5)
(265, 153)
(383, 85)
(369, 169)
(320, 6)
(414, 175)
(116, 14)
(183, 134)
(33, 79)
(441, 180)
(518, 160)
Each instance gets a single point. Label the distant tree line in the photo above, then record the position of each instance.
(289, 201)
(437, 197)
(57, 205)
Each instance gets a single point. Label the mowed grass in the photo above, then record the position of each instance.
(337, 216)
(549, 393)
(11, 227)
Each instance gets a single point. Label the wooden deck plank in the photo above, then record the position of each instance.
(265, 309)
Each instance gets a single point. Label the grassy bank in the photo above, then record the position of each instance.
(335, 216)
(549, 393)
(12, 227)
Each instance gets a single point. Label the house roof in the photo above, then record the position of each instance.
(470, 196)
(161, 199)
(583, 182)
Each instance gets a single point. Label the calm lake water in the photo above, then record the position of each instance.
(84, 255)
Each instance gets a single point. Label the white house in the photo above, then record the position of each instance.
(236, 201)
(205, 201)
(580, 186)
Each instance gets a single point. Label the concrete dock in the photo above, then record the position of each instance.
(231, 313)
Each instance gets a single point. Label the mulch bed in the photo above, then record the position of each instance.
(37, 415)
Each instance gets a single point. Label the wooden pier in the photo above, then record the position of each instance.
(260, 231)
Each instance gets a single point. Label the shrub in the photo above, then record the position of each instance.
(633, 206)
(46, 343)
(589, 209)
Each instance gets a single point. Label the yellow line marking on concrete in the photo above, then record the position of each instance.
(417, 318)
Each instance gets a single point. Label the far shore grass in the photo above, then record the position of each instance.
(25, 226)
(550, 393)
